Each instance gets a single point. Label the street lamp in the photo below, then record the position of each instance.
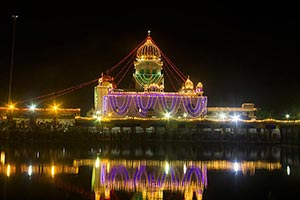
(32, 107)
(287, 116)
(222, 116)
(168, 115)
(235, 118)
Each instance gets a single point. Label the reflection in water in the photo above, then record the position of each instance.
(143, 177)
(51, 170)
(150, 178)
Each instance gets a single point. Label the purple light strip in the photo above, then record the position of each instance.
(193, 111)
(135, 176)
(153, 100)
(204, 175)
(102, 176)
(175, 179)
(118, 170)
(174, 105)
(123, 109)
(161, 181)
(105, 104)
(204, 105)
(188, 175)
(139, 104)
(200, 172)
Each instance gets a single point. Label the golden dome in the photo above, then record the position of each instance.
(199, 88)
(148, 51)
(189, 84)
(153, 85)
(199, 85)
(107, 78)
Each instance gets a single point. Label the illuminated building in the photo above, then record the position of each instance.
(149, 98)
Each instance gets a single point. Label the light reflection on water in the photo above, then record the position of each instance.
(144, 171)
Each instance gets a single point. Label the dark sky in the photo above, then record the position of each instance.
(241, 53)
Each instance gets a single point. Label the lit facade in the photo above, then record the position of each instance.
(149, 98)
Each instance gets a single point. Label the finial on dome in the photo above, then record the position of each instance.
(149, 32)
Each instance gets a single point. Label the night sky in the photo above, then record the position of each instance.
(240, 53)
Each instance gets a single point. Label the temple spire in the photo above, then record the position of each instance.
(149, 32)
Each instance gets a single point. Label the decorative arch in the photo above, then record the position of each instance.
(193, 110)
(173, 108)
(121, 170)
(138, 174)
(188, 175)
(120, 104)
(141, 107)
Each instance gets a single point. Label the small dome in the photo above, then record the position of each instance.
(107, 78)
(153, 86)
(199, 88)
(199, 85)
(148, 50)
(189, 84)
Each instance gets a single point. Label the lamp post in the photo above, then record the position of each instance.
(12, 57)
(287, 116)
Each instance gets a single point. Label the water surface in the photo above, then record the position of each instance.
(45, 170)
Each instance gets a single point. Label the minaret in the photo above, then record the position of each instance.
(102, 89)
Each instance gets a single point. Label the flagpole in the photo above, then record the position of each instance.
(12, 57)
